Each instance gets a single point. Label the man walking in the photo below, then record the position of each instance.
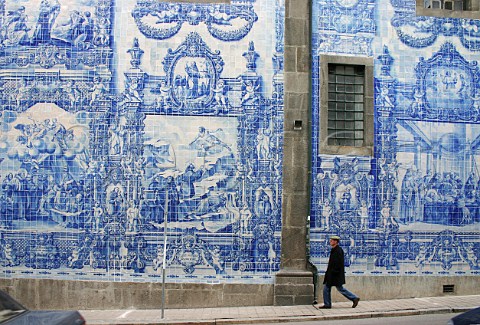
(335, 276)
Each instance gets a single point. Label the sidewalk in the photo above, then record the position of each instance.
(282, 314)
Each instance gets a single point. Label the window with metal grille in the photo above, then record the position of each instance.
(448, 8)
(458, 5)
(346, 103)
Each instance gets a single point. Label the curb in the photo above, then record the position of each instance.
(287, 319)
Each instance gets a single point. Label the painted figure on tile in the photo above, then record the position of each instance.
(133, 218)
(464, 86)
(157, 262)
(127, 162)
(271, 257)
(475, 107)
(24, 90)
(115, 140)
(15, 29)
(20, 189)
(75, 208)
(98, 90)
(186, 181)
(444, 251)
(384, 97)
(421, 256)
(167, 16)
(171, 193)
(72, 92)
(416, 108)
(217, 261)
(219, 16)
(250, 95)
(465, 211)
(7, 186)
(245, 216)
(263, 144)
(116, 201)
(74, 261)
(97, 217)
(263, 205)
(345, 201)
(139, 166)
(207, 143)
(74, 25)
(101, 38)
(162, 101)
(6, 211)
(193, 76)
(219, 96)
(49, 10)
(86, 33)
(327, 212)
(363, 211)
(469, 257)
(469, 188)
(449, 79)
(387, 218)
(8, 255)
(346, 191)
(409, 197)
(210, 202)
(132, 90)
(78, 30)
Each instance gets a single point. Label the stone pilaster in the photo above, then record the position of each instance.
(294, 283)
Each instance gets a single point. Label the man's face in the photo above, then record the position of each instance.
(333, 242)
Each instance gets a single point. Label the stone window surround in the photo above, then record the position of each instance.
(473, 13)
(367, 148)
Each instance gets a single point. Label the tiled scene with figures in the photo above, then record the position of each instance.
(142, 135)
(126, 125)
(413, 208)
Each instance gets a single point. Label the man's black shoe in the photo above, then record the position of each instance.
(325, 307)
(355, 302)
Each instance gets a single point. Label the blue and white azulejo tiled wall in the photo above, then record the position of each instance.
(128, 124)
(414, 207)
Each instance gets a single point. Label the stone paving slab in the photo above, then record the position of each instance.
(283, 314)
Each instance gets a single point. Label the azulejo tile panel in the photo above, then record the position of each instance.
(412, 208)
(130, 124)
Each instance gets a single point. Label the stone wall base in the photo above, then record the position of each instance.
(66, 294)
(289, 289)
(397, 287)
(293, 288)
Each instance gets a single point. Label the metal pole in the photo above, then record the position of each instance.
(165, 216)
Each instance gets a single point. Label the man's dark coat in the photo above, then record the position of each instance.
(335, 274)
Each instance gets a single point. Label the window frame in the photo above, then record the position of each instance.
(473, 11)
(368, 114)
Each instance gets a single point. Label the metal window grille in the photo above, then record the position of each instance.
(346, 92)
(457, 5)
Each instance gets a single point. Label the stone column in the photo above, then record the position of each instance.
(294, 282)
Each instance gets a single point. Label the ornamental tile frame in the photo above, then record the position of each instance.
(125, 121)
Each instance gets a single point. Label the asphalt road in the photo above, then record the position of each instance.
(432, 319)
